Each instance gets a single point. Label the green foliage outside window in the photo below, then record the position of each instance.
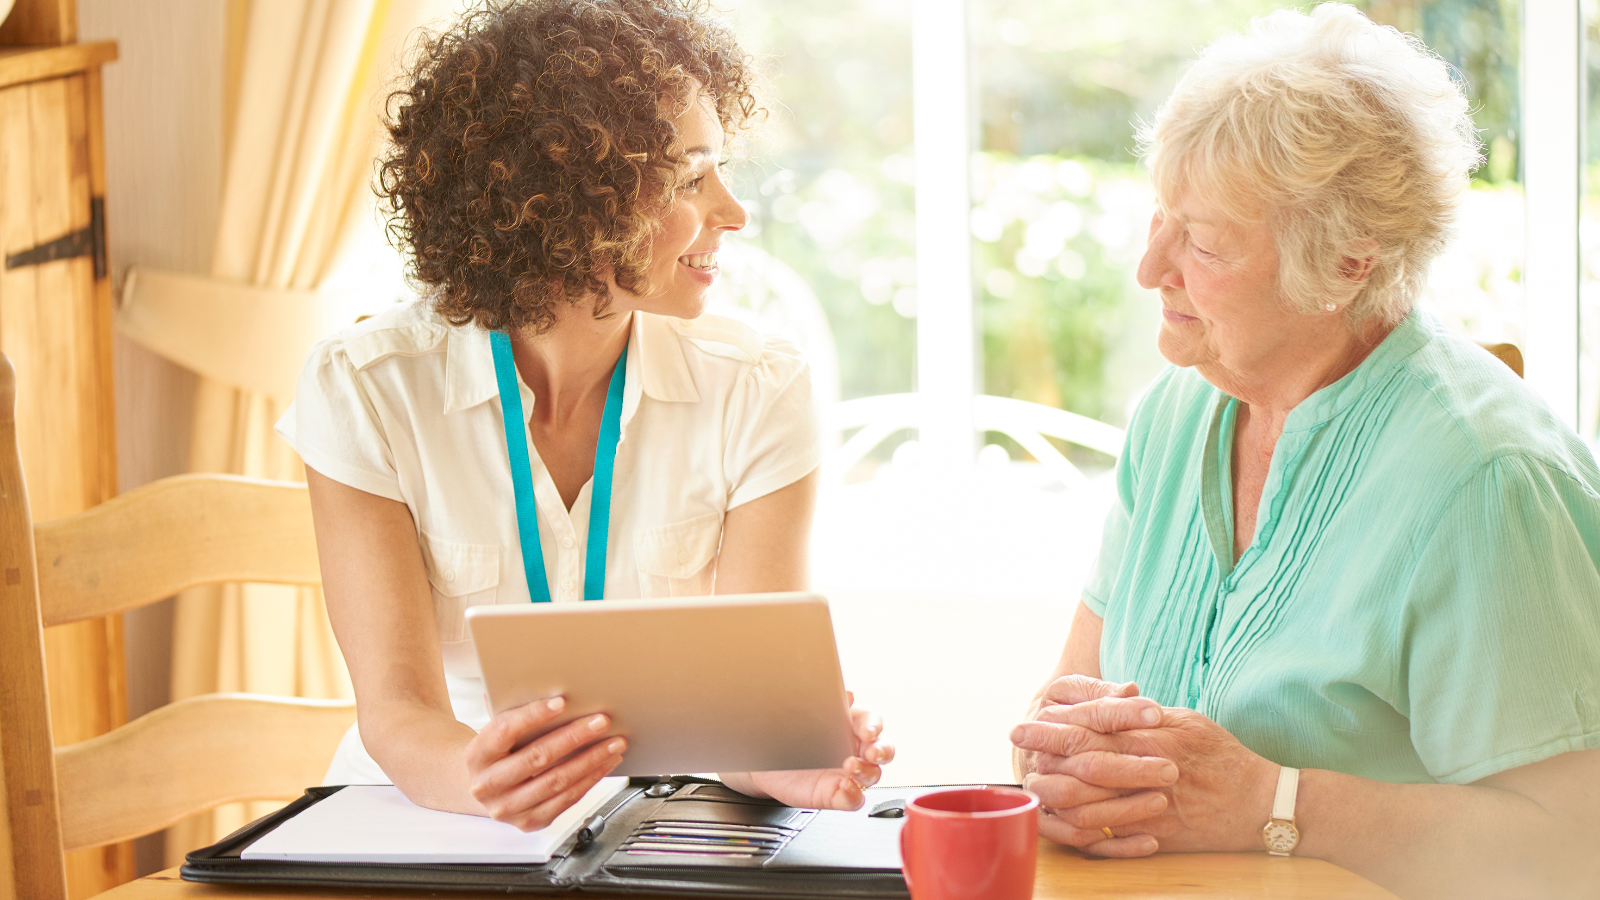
(1066, 83)
(1061, 203)
(829, 183)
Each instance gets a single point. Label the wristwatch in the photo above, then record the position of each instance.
(1279, 834)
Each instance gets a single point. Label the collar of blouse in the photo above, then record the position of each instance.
(656, 367)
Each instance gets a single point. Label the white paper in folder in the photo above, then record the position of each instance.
(377, 824)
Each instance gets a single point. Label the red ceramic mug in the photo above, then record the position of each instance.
(974, 844)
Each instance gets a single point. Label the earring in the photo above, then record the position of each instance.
(1331, 307)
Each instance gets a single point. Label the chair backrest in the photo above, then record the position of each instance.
(182, 758)
(1506, 353)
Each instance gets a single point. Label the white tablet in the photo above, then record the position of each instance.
(739, 683)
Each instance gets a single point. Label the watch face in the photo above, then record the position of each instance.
(1280, 836)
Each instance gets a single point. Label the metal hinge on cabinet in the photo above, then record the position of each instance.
(90, 241)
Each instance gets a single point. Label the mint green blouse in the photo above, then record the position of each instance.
(1421, 600)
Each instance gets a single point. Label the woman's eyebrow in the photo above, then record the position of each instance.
(698, 151)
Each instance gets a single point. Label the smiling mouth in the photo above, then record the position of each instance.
(1172, 315)
(701, 262)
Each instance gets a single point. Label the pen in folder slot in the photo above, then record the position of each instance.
(670, 849)
(590, 832)
(776, 830)
(709, 834)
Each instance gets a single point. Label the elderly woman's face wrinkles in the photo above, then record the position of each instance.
(683, 252)
(1222, 311)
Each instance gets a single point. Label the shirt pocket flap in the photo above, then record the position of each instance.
(456, 569)
(681, 549)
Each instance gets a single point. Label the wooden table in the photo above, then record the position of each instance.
(1063, 874)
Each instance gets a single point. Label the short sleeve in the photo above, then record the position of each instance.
(334, 426)
(773, 439)
(1500, 631)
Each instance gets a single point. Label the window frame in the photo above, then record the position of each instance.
(1552, 161)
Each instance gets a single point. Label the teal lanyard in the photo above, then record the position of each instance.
(605, 458)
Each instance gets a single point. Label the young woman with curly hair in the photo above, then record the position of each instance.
(555, 182)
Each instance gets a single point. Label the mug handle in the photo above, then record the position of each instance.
(905, 852)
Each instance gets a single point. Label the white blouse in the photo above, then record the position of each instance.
(405, 406)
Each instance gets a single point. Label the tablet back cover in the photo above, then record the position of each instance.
(729, 684)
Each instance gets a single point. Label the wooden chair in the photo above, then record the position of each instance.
(1506, 353)
(182, 758)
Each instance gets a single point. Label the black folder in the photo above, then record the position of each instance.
(797, 853)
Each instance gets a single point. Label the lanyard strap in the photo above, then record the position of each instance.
(605, 458)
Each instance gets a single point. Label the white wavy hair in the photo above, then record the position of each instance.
(1350, 138)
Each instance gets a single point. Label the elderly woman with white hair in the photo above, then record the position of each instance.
(1348, 602)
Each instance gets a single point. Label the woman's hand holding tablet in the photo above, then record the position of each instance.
(839, 788)
(529, 786)
(742, 684)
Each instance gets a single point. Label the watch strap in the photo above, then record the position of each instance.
(1283, 801)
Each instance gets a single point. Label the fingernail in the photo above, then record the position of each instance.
(556, 704)
(598, 723)
(616, 746)
(1151, 715)
(1169, 773)
(1017, 734)
(1147, 847)
(1156, 803)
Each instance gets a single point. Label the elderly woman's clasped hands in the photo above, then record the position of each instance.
(1120, 775)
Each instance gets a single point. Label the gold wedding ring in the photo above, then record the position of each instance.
(1107, 830)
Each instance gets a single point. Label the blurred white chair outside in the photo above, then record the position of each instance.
(951, 592)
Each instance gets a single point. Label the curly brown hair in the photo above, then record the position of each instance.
(534, 142)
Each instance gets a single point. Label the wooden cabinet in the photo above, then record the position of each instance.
(55, 325)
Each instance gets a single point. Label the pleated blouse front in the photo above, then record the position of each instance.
(1421, 599)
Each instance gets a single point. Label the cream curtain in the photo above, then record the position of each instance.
(302, 103)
